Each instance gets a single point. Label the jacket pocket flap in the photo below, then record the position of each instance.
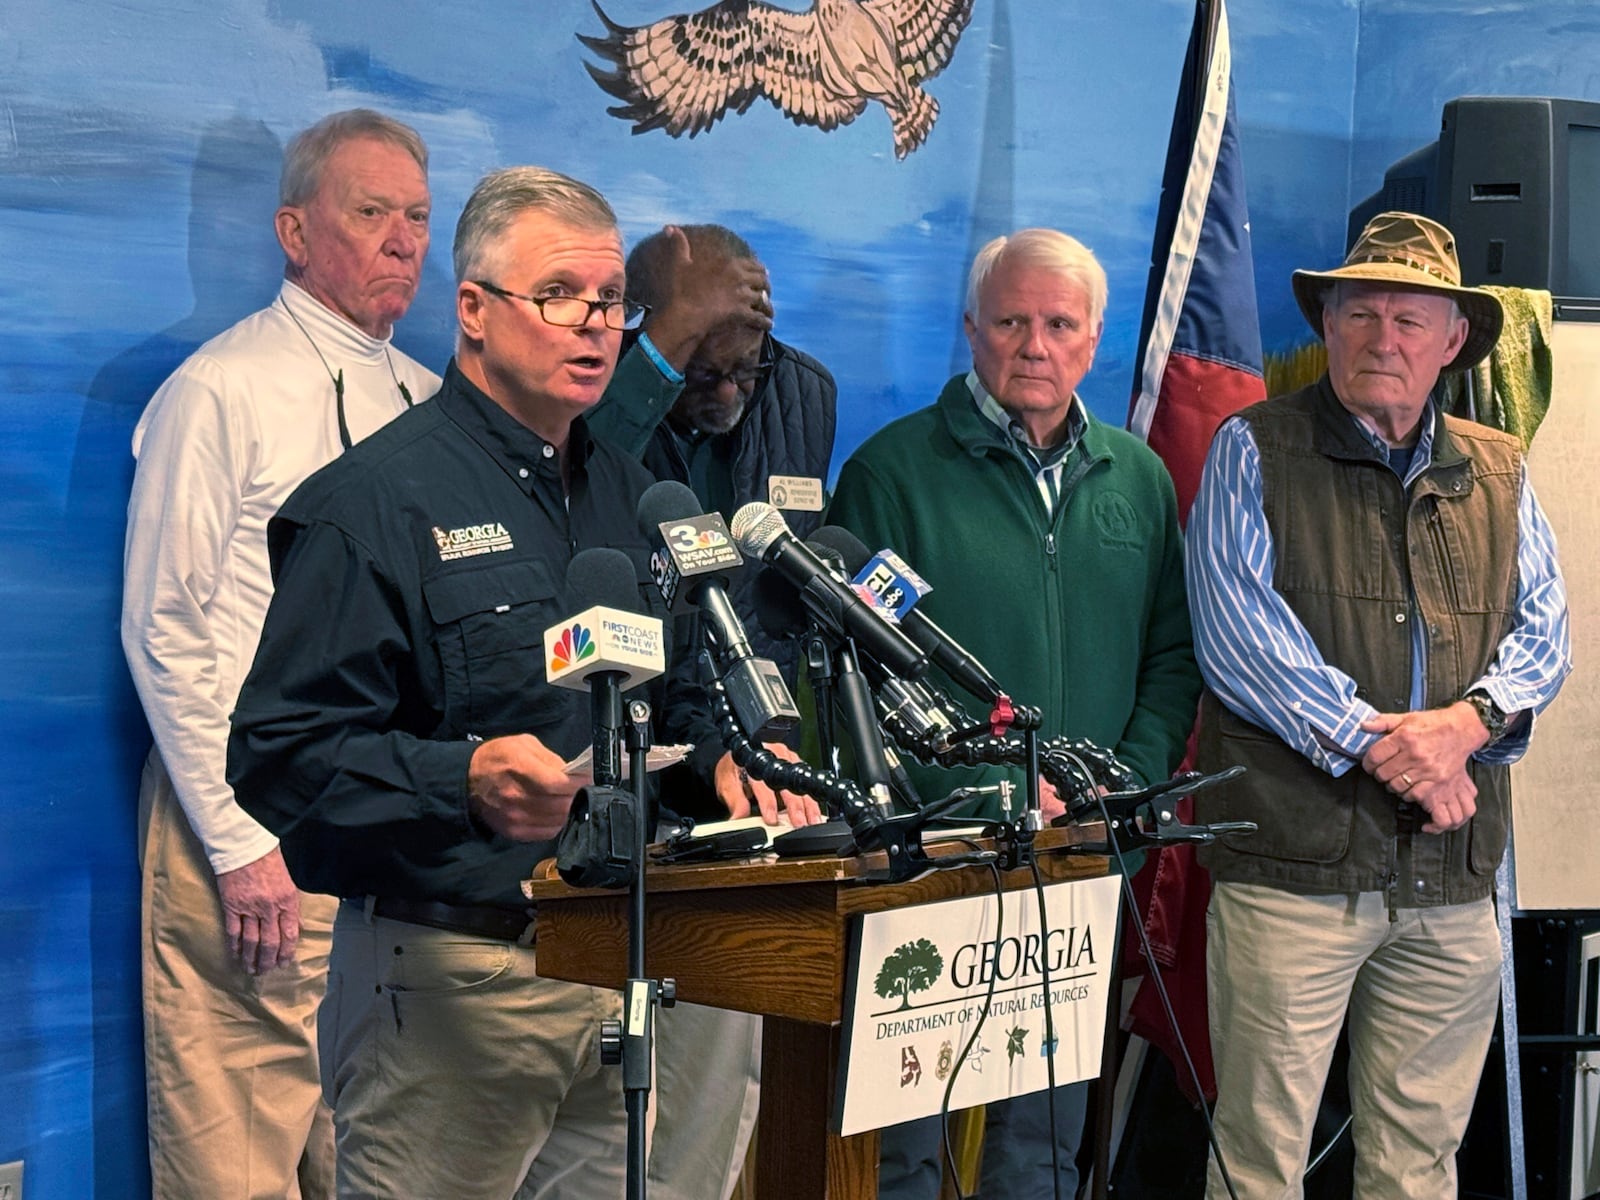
(462, 593)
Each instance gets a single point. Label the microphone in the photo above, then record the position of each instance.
(908, 699)
(778, 608)
(946, 653)
(687, 544)
(606, 647)
(761, 532)
(691, 551)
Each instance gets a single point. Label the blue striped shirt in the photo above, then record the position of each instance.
(1260, 660)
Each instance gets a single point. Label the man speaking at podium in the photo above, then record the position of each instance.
(397, 731)
(1052, 544)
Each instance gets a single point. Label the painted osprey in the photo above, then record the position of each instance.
(818, 67)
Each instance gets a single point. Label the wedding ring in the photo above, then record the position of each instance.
(1407, 778)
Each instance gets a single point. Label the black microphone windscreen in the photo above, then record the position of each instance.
(778, 605)
(827, 554)
(663, 501)
(847, 545)
(601, 575)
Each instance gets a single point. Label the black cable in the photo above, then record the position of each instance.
(1166, 1000)
(977, 1027)
(1049, 1026)
(801, 778)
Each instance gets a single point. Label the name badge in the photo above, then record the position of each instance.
(798, 493)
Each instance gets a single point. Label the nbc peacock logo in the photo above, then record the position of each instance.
(571, 648)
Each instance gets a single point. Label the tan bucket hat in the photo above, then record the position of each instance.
(1403, 248)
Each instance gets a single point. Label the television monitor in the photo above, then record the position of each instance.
(1517, 179)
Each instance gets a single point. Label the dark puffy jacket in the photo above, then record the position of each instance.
(787, 429)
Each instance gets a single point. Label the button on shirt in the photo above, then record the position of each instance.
(415, 579)
(1260, 660)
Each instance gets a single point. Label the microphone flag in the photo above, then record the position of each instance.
(601, 638)
(892, 584)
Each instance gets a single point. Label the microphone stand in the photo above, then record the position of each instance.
(820, 671)
(1013, 840)
(1130, 833)
(640, 994)
(631, 1041)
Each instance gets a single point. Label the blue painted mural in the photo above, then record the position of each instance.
(139, 153)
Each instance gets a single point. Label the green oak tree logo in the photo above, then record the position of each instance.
(913, 967)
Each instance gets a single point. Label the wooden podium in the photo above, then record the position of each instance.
(771, 937)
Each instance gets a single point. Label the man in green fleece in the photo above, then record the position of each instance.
(1052, 545)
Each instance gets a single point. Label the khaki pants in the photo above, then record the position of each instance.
(708, 1089)
(453, 1069)
(235, 1108)
(1422, 992)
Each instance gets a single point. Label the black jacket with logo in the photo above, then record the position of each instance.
(415, 577)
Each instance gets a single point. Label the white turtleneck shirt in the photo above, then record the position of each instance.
(221, 445)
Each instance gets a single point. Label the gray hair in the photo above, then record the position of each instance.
(309, 150)
(1048, 248)
(503, 196)
(1333, 296)
(648, 265)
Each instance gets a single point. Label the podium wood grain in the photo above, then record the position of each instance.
(772, 937)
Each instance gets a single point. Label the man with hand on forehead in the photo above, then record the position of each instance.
(707, 396)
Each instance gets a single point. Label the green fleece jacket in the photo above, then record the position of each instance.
(1081, 613)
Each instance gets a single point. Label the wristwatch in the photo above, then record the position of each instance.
(1494, 718)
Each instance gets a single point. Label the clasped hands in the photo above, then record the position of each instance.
(1422, 757)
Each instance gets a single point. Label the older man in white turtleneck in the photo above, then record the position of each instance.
(235, 956)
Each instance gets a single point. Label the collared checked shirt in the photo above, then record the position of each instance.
(1049, 463)
(1261, 662)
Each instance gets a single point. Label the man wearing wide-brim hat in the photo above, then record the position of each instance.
(1378, 614)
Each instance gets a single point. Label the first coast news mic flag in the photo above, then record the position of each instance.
(1199, 361)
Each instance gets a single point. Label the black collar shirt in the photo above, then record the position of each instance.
(415, 577)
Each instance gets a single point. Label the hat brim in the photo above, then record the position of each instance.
(1482, 309)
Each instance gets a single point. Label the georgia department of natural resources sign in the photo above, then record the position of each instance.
(921, 979)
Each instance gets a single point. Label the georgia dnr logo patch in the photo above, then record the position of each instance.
(470, 540)
(1117, 521)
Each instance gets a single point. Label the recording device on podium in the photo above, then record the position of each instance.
(691, 553)
(1083, 774)
(603, 649)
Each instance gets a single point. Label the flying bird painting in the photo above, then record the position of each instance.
(819, 67)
